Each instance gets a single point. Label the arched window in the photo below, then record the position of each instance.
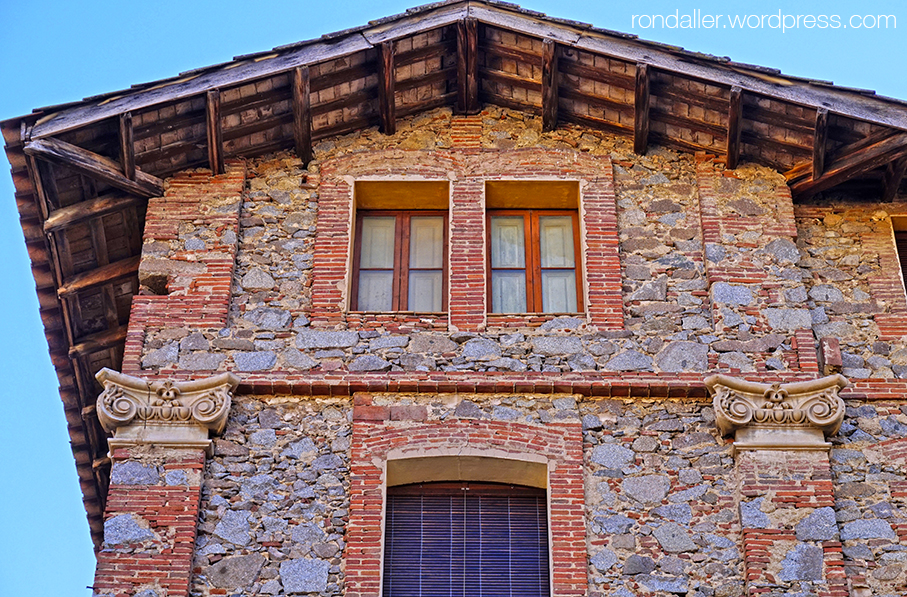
(466, 539)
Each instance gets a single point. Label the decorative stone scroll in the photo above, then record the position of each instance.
(174, 414)
(793, 416)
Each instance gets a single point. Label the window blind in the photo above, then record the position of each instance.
(466, 540)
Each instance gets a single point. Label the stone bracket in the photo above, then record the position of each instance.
(178, 414)
(793, 416)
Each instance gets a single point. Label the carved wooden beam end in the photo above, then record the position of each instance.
(164, 413)
(793, 416)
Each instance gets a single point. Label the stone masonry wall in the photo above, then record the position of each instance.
(700, 270)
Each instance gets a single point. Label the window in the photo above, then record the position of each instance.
(466, 540)
(400, 246)
(532, 261)
(399, 261)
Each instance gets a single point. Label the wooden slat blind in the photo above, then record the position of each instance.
(466, 540)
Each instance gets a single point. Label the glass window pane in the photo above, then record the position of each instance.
(508, 242)
(508, 292)
(376, 291)
(377, 248)
(556, 241)
(559, 291)
(425, 290)
(426, 242)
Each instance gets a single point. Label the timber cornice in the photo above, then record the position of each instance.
(861, 105)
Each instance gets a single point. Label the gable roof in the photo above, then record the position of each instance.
(85, 169)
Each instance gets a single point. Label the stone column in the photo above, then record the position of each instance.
(160, 439)
(790, 537)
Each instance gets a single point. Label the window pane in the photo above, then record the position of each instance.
(508, 292)
(425, 290)
(556, 241)
(559, 291)
(376, 291)
(508, 242)
(426, 243)
(377, 248)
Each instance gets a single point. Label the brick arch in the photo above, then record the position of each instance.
(375, 437)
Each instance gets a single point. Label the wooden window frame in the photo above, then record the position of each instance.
(533, 261)
(400, 294)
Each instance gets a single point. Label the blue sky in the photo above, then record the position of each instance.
(56, 52)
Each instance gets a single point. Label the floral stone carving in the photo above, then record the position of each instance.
(778, 416)
(174, 414)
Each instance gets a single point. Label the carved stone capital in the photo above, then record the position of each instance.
(793, 416)
(174, 414)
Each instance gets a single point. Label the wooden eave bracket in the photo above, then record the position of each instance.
(302, 114)
(734, 126)
(214, 132)
(641, 105)
(467, 66)
(94, 166)
(387, 104)
(891, 182)
(849, 162)
(549, 85)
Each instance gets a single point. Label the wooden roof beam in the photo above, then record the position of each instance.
(84, 210)
(387, 104)
(820, 139)
(549, 85)
(891, 182)
(467, 66)
(127, 145)
(302, 113)
(97, 342)
(215, 132)
(641, 121)
(734, 127)
(94, 166)
(850, 164)
(99, 276)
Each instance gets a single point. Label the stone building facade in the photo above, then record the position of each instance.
(714, 407)
(690, 269)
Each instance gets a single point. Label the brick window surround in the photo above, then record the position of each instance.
(386, 439)
(468, 171)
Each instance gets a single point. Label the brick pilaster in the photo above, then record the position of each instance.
(150, 522)
(198, 280)
(775, 487)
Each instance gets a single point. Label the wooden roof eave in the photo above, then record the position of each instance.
(690, 64)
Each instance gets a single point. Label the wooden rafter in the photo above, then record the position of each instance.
(94, 208)
(302, 114)
(97, 342)
(94, 166)
(97, 277)
(549, 85)
(734, 126)
(386, 101)
(215, 132)
(641, 121)
(467, 66)
(891, 181)
(127, 145)
(852, 163)
(819, 140)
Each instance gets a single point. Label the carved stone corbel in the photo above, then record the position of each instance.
(793, 416)
(174, 414)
